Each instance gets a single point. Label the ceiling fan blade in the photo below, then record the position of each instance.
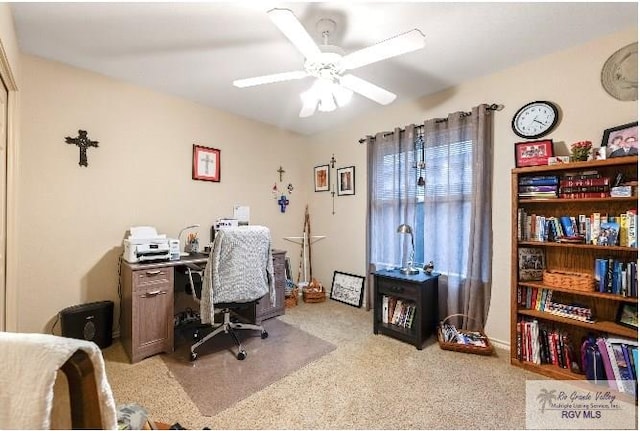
(403, 43)
(272, 78)
(367, 89)
(288, 24)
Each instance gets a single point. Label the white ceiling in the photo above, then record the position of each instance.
(196, 50)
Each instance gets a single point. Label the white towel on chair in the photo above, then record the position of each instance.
(29, 364)
(239, 269)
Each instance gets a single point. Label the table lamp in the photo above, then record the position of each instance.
(409, 269)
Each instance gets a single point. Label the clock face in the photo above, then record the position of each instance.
(535, 119)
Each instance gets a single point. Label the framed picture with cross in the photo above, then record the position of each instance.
(206, 164)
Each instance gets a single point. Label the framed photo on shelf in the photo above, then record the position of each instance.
(347, 288)
(534, 153)
(621, 141)
(321, 177)
(530, 263)
(628, 315)
(206, 164)
(346, 181)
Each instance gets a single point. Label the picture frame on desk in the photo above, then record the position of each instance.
(627, 315)
(347, 288)
(205, 164)
(533, 153)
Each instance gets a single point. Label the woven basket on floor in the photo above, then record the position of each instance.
(464, 348)
(292, 299)
(314, 292)
(569, 280)
(313, 296)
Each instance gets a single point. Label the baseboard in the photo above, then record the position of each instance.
(500, 344)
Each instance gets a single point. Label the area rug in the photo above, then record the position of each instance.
(216, 379)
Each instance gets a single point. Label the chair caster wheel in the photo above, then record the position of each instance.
(193, 357)
(242, 355)
(264, 334)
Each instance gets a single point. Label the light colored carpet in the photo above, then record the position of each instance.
(287, 349)
(369, 382)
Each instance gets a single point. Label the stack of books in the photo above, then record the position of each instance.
(585, 184)
(616, 277)
(538, 187)
(398, 311)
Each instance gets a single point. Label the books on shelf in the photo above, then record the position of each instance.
(617, 358)
(541, 299)
(616, 277)
(598, 228)
(538, 187)
(397, 311)
(608, 235)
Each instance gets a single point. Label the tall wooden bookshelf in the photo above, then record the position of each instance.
(579, 258)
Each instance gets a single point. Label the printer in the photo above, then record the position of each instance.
(145, 244)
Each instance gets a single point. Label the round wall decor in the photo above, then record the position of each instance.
(620, 73)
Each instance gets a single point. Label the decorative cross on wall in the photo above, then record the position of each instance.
(280, 171)
(283, 202)
(207, 160)
(82, 142)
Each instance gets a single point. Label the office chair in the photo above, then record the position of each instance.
(238, 273)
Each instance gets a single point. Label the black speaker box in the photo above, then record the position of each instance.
(90, 321)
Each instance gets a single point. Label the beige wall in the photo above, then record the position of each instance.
(73, 219)
(570, 78)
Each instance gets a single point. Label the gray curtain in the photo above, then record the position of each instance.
(455, 223)
(391, 198)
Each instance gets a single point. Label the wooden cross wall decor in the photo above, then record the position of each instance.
(82, 142)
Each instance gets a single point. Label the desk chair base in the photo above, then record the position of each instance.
(228, 326)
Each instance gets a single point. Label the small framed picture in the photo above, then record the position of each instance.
(530, 263)
(206, 164)
(621, 141)
(321, 177)
(346, 181)
(628, 315)
(535, 153)
(347, 288)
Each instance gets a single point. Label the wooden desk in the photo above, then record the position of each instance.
(147, 303)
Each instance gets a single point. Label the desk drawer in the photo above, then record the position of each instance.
(154, 276)
(398, 288)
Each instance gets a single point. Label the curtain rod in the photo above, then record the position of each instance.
(491, 107)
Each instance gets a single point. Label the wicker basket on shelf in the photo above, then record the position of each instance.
(569, 280)
(485, 350)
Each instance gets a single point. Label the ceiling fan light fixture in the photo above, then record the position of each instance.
(342, 95)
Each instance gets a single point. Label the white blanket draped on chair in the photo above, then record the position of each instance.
(231, 274)
(29, 364)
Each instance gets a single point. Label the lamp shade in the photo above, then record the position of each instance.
(404, 229)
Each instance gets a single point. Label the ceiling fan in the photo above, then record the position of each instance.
(328, 65)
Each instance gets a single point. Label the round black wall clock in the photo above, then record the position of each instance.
(535, 119)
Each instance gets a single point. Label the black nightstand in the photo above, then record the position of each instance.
(413, 299)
